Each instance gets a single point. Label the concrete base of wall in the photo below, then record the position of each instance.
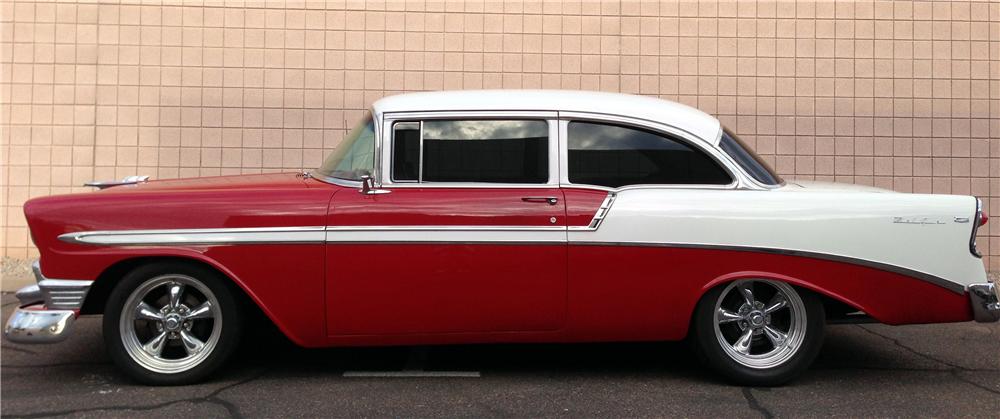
(15, 273)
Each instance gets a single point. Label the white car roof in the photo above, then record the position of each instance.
(694, 121)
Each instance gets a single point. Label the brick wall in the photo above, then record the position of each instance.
(903, 95)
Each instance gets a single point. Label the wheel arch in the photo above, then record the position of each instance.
(106, 281)
(827, 296)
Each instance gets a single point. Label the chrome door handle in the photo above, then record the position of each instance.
(551, 200)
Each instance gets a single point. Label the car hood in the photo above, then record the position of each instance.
(814, 186)
(269, 181)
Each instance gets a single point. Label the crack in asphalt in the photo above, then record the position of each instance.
(755, 404)
(211, 398)
(875, 368)
(57, 364)
(953, 371)
(16, 349)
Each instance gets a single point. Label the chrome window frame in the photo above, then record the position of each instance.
(739, 178)
(389, 119)
(748, 178)
(420, 158)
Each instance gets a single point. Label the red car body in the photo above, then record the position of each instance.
(325, 294)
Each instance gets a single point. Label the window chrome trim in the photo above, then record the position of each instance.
(720, 158)
(396, 125)
(336, 181)
(549, 117)
(747, 178)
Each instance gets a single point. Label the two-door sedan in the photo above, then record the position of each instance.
(503, 216)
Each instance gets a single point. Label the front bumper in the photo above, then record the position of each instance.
(47, 310)
(985, 300)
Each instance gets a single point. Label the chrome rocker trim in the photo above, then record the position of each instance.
(47, 309)
(985, 299)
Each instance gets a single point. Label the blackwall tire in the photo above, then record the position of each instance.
(171, 323)
(758, 332)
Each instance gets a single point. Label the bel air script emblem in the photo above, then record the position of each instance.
(918, 220)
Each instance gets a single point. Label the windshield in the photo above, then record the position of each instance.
(355, 156)
(747, 159)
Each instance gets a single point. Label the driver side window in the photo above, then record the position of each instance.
(615, 156)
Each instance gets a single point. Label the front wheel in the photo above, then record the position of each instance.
(759, 332)
(171, 323)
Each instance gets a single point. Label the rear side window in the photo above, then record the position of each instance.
(480, 151)
(747, 159)
(615, 156)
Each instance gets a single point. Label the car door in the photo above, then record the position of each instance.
(465, 233)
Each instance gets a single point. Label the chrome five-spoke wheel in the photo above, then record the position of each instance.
(171, 323)
(759, 331)
(759, 324)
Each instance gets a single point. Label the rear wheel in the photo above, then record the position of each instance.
(171, 323)
(759, 332)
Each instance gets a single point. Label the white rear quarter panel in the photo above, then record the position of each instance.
(851, 224)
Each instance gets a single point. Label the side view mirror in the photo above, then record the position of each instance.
(368, 186)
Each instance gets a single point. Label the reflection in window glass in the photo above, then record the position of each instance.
(355, 156)
(615, 156)
(747, 159)
(490, 151)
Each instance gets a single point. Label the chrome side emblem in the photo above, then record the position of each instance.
(916, 220)
(961, 219)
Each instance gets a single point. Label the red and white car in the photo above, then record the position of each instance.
(503, 216)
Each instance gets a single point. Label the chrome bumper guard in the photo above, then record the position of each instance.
(47, 310)
(985, 300)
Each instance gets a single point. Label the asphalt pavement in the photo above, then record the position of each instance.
(864, 370)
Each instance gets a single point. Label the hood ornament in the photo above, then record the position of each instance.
(128, 180)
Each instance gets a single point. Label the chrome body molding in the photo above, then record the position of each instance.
(602, 212)
(447, 234)
(521, 235)
(985, 299)
(317, 234)
(206, 236)
(975, 229)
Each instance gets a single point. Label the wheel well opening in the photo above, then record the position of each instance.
(99, 292)
(836, 311)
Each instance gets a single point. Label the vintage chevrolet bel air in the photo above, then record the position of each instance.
(503, 216)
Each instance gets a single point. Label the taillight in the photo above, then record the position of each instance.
(983, 218)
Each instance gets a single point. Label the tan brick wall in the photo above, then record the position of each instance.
(902, 95)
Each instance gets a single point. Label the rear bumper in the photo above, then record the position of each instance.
(47, 310)
(985, 299)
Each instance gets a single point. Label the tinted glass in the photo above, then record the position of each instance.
(406, 151)
(355, 156)
(747, 159)
(486, 151)
(614, 156)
